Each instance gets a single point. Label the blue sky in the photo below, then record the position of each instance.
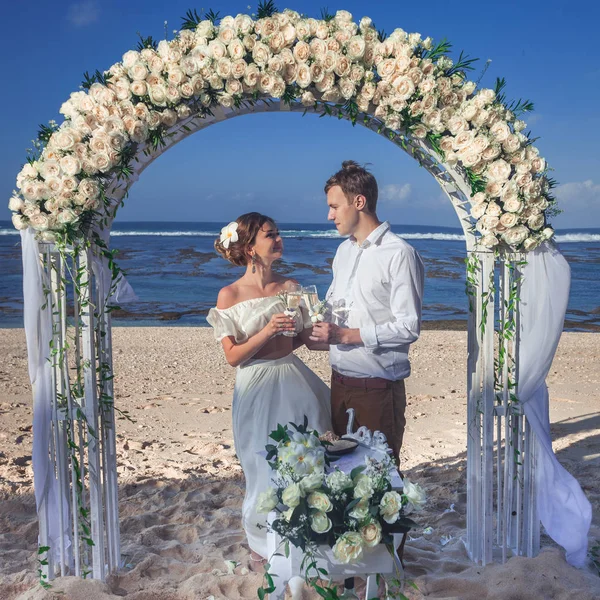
(277, 163)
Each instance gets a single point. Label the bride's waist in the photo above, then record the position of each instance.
(268, 361)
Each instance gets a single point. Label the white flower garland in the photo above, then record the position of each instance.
(403, 81)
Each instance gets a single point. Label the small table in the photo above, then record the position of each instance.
(374, 560)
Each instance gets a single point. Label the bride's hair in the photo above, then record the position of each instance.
(248, 227)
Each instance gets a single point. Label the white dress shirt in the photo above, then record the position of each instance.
(377, 288)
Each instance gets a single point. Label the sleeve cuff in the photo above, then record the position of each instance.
(368, 334)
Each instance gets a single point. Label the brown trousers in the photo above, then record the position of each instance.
(377, 409)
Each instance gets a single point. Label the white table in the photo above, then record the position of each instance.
(375, 560)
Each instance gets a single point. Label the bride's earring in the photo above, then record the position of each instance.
(253, 263)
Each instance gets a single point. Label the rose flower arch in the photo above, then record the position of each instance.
(402, 87)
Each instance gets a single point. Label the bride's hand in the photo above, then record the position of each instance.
(280, 323)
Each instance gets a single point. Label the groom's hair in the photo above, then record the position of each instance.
(354, 181)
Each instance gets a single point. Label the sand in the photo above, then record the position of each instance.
(181, 486)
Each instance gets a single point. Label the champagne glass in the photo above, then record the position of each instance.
(294, 298)
(311, 298)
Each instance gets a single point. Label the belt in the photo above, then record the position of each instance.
(366, 383)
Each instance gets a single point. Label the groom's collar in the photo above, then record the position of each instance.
(374, 237)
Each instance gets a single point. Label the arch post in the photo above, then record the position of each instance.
(502, 518)
(78, 514)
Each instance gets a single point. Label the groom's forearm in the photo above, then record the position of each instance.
(350, 337)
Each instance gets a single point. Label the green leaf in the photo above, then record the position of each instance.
(266, 9)
(356, 471)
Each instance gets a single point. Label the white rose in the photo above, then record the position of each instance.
(311, 482)
(64, 139)
(463, 140)
(130, 58)
(547, 233)
(158, 94)
(139, 88)
(363, 486)
(338, 481)
(538, 164)
(512, 204)
(457, 125)
(308, 99)
(138, 71)
(419, 132)
(320, 522)
(303, 79)
(427, 85)
(261, 54)
(515, 235)
(39, 222)
(511, 144)
(349, 547)
(101, 162)
(470, 157)
(347, 88)
(168, 117)
(499, 171)
(70, 165)
(66, 215)
(267, 501)
(487, 223)
(291, 495)
(530, 243)
(355, 47)
(16, 204)
(319, 501)
(489, 240)
(361, 510)
(390, 506)
(404, 87)
(536, 222)
(371, 534)
(493, 189)
(509, 219)
(19, 222)
(500, 131)
(386, 68)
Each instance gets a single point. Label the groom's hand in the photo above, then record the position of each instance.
(328, 333)
(325, 333)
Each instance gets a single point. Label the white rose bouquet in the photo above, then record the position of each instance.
(317, 504)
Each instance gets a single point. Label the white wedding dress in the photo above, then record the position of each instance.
(267, 392)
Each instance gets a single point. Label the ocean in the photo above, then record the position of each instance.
(177, 274)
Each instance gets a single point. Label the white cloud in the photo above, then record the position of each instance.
(578, 194)
(580, 203)
(531, 118)
(83, 13)
(395, 193)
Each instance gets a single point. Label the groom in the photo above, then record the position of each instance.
(375, 300)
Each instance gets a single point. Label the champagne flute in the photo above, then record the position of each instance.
(311, 298)
(294, 297)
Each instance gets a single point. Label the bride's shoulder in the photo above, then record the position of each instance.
(228, 296)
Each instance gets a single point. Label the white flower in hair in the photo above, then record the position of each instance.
(229, 234)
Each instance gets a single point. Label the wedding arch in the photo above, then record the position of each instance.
(402, 87)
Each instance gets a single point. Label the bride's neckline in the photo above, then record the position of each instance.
(249, 300)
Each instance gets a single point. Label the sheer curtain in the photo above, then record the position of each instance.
(563, 508)
(38, 332)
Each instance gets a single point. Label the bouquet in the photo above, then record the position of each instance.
(316, 504)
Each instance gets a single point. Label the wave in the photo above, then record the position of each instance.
(564, 238)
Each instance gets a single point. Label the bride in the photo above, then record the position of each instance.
(272, 385)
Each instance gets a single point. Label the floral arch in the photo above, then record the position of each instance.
(402, 87)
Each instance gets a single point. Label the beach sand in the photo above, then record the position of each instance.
(181, 486)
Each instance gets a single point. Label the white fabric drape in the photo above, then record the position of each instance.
(38, 332)
(563, 508)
